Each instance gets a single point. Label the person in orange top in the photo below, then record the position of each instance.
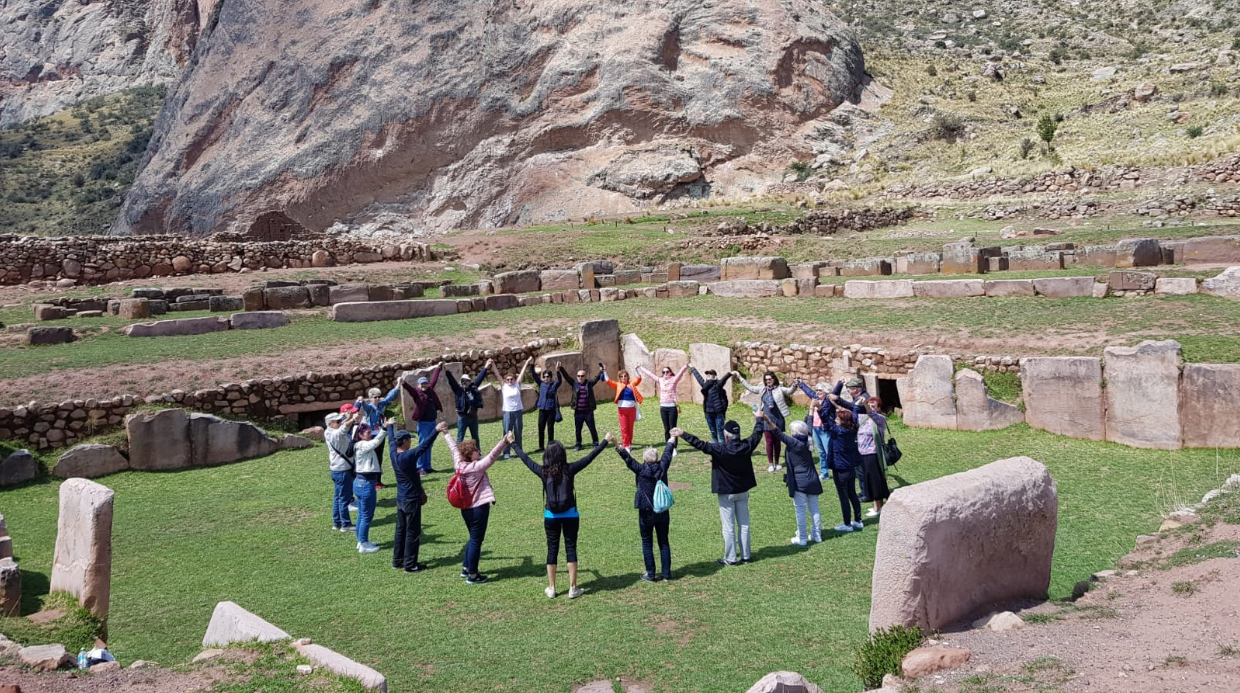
(628, 399)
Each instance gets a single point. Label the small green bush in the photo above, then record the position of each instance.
(1194, 131)
(932, 70)
(1026, 148)
(947, 127)
(883, 652)
(1046, 129)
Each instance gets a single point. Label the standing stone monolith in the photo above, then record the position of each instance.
(926, 394)
(1063, 394)
(600, 343)
(1142, 394)
(82, 562)
(704, 357)
(950, 547)
(10, 588)
(1210, 405)
(978, 411)
(634, 355)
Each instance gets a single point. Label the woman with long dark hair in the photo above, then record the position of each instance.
(843, 460)
(774, 405)
(469, 463)
(560, 516)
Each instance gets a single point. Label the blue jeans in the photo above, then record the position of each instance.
(466, 422)
(364, 489)
(341, 498)
(426, 429)
(822, 439)
(476, 522)
(715, 422)
(513, 421)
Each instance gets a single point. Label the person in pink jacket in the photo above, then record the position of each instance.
(473, 471)
(669, 411)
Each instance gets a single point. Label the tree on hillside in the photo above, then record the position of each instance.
(1046, 130)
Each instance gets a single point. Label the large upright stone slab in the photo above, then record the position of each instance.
(518, 282)
(158, 441)
(1212, 249)
(82, 562)
(232, 624)
(635, 354)
(704, 356)
(926, 394)
(10, 588)
(1210, 405)
(1143, 388)
(1063, 394)
(446, 397)
(675, 359)
(600, 343)
(18, 467)
(215, 441)
(559, 280)
(90, 461)
(977, 411)
(572, 362)
(890, 288)
(950, 547)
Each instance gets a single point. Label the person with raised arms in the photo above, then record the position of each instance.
(426, 408)
(731, 478)
(366, 465)
(340, 463)
(804, 486)
(560, 515)
(774, 403)
(844, 458)
(628, 401)
(714, 400)
(821, 409)
(548, 404)
(584, 402)
(649, 473)
(472, 469)
(468, 401)
(666, 383)
(409, 495)
(512, 406)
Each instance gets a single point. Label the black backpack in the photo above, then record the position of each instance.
(559, 493)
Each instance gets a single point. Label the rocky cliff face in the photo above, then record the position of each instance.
(477, 113)
(54, 53)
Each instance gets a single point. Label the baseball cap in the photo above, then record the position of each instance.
(423, 381)
(402, 436)
(854, 382)
(334, 418)
(348, 408)
(732, 427)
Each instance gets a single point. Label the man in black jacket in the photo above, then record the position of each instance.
(583, 401)
(731, 477)
(468, 401)
(714, 401)
(409, 495)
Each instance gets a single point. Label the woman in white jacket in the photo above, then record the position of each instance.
(775, 407)
(366, 466)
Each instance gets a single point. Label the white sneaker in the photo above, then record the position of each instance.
(352, 507)
(550, 592)
(367, 547)
(843, 528)
(779, 467)
(817, 539)
(770, 467)
(797, 541)
(858, 526)
(872, 513)
(574, 592)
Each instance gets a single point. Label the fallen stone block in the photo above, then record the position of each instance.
(215, 441)
(189, 306)
(41, 336)
(254, 299)
(43, 311)
(926, 394)
(518, 282)
(90, 461)
(347, 293)
(1175, 286)
(225, 304)
(18, 467)
(1212, 249)
(747, 288)
(976, 410)
(179, 327)
(342, 666)
(232, 624)
(45, 657)
(1101, 290)
(1063, 394)
(258, 320)
(134, 308)
(1132, 281)
(1143, 386)
(1009, 287)
(866, 267)
(682, 289)
(295, 442)
(82, 563)
(954, 545)
(1210, 415)
(391, 310)
(502, 302)
(1034, 259)
(700, 273)
(286, 297)
(924, 661)
(1226, 284)
(752, 268)
(780, 682)
(891, 288)
(958, 288)
(1138, 252)
(1065, 287)
(559, 280)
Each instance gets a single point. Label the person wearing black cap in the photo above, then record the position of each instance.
(714, 400)
(409, 495)
(468, 401)
(731, 477)
(426, 408)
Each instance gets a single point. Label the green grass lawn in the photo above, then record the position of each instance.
(258, 533)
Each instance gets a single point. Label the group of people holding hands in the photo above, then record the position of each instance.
(847, 434)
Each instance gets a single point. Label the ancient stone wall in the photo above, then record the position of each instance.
(45, 426)
(101, 259)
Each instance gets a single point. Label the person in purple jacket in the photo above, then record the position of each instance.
(426, 408)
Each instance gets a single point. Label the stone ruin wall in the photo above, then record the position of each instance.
(812, 364)
(102, 259)
(46, 426)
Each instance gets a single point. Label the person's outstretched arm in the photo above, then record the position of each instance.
(697, 376)
(724, 380)
(692, 440)
(391, 395)
(806, 389)
(642, 370)
(524, 367)
(426, 443)
(669, 451)
(435, 375)
(676, 378)
(585, 461)
(628, 460)
(755, 437)
(533, 466)
(456, 387)
(481, 375)
(391, 434)
(745, 384)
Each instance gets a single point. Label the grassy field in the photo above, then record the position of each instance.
(1209, 328)
(258, 533)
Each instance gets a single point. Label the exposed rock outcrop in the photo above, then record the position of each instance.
(481, 114)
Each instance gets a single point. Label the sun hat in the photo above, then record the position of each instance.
(854, 382)
(334, 418)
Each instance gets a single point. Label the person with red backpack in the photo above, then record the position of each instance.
(475, 496)
(560, 514)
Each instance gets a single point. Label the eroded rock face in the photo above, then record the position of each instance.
(59, 52)
(470, 114)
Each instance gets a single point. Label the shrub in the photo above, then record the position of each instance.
(932, 70)
(802, 169)
(1046, 129)
(971, 95)
(947, 127)
(1026, 148)
(1218, 89)
(883, 652)
(1194, 131)
(1057, 55)
(943, 44)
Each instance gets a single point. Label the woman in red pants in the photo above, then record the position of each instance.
(628, 399)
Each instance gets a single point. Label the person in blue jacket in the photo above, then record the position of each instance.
(548, 405)
(372, 409)
(650, 472)
(845, 460)
(409, 495)
(822, 409)
(468, 401)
